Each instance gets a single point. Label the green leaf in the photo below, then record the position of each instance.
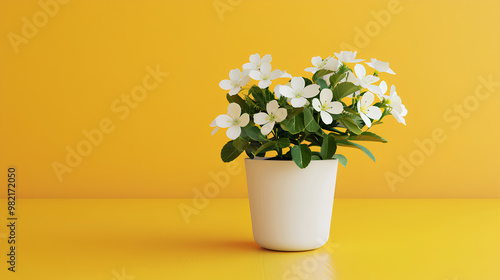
(294, 125)
(229, 152)
(301, 155)
(293, 112)
(309, 122)
(344, 89)
(320, 73)
(367, 136)
(351, 125)
(342, 159)
(249, 153)
(335, 78)
(258, 95)
(329, 147)
(354, 145)
(283, 143)
(240, 144)
(322, 83)
(315, 157)
(254, 133)
(238, 100)
(265, 147)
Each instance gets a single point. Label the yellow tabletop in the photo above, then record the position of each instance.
(127, 239)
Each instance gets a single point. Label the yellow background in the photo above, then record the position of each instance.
(66, 77)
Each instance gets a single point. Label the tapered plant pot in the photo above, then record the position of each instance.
(291, 208)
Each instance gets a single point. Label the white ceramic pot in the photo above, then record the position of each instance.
(291, 208)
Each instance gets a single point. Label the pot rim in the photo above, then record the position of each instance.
(284, 160)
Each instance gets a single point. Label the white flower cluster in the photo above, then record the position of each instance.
(297, 92)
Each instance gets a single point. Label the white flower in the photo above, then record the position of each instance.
(235, 82)
(274, 115)
(277, 91)
(233, 120)
(328, 63)
(264, 75)
(380, 66)
(398, 110)
(350, 78)
(298, 92)
(325, 106)
(347, 57)
(284, 74)
(366, 111)
(365, 81)
(256, 62)
(214, 124)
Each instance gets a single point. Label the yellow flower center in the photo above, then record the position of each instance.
(364, 109)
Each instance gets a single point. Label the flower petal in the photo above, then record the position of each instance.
(332, 64)
(398, 117)
(266, 59)
(298, 83)
(275, 75)
(244, 119)
(265, 84)
(226, 84)
(266, 129)
(256, 75)
(298, 102)
(244, 80)
(391, 72)
(272, 107)
(360, 71)
(326, 95)
(311, 91)
(213, 123)
(284, 74)
(234, 91)
(370, 79)
(234, 110)
(223, 121)
(281, 114)
(277, 92)
(233, 132)
(335, 108)
(255, 59)
(375, 89)
(367, 98)
(250, 66)
(311, 69)
(374, 112)
(287, 91)
(326, 118)
(366, 119)
(261, 118)
(316, 104)
(316, 61)
(265, 68)
(383, 87)
(234, 75)
(215, 130)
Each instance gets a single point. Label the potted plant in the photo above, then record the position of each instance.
(291, 134)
